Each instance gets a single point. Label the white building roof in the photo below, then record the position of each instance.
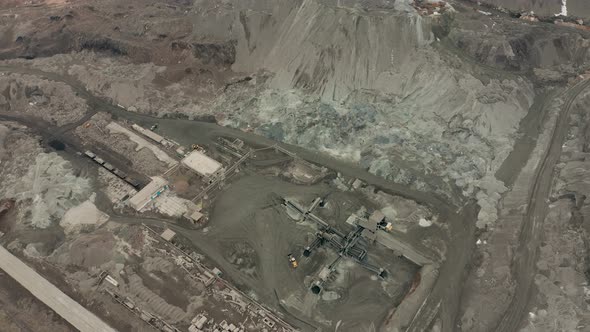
(144, 196)
(196, 216)
(150, 134)
(168, 234)
(201, 163)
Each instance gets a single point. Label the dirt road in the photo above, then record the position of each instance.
(63, 305)
(530, 127)
(531, 233)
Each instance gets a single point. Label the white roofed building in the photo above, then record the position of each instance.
(148, 193)
(202, 164)
(148, 133)
(168, 234)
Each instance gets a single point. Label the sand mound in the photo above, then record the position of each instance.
(88, 250)
(81, 216)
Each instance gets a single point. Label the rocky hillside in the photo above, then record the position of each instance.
(370, 86)
(422, 100)
(548, 51)
(578, 8)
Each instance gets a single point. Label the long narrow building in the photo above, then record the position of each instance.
(148, 193)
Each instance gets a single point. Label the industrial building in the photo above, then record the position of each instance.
(168, 234)
(371, 225)
(202, 164)
(349, 245)
(148, 133)
(195, 216)
(148, 193)
(153, 136)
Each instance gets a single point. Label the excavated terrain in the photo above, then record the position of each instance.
(465, 106)
(577, 8)
(392, 102)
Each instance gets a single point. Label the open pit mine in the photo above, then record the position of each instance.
(294, 165)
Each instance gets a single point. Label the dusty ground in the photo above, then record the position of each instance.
(562, 299)
(20, 311)
(455, 105)
(214, 69)
(239, 226)
(79, 241)
(491, 279)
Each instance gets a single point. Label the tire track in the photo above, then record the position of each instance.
(523, 265)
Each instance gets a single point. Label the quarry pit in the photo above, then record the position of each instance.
(310, 165)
